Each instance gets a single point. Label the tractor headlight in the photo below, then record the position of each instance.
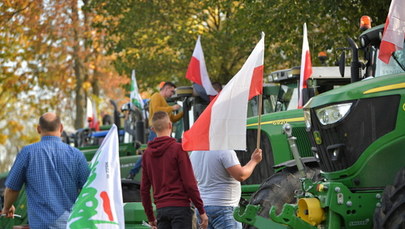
(332, 114)
(307, 118)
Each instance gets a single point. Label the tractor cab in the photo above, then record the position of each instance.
(280, 90)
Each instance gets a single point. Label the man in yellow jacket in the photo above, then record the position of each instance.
(158, 103)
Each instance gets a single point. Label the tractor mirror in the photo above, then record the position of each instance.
(342, 63)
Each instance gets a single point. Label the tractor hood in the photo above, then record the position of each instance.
(366, 88)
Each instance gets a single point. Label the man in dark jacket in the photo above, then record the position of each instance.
(167, 168)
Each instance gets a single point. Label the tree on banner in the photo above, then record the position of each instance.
(306, 67)
(197, 70)
(222, 125)
(394, 31)
(100, 203)
(136, 98)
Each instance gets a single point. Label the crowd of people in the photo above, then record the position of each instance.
(54, 172)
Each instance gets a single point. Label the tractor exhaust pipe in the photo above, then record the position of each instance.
(294, 149)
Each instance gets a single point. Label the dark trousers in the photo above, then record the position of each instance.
(174, 218)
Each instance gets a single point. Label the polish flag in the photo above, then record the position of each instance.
(222, 125)
(91, 115)
(197, 71)
(306, 67)
(394, 31)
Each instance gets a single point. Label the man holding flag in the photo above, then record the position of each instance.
(218, 131)
(219, 173)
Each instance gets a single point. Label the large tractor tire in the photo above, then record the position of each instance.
(391, 214)
(279, 189)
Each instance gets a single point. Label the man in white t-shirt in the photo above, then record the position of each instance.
(218, 174)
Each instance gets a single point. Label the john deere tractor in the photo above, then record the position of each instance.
(278, 172)
(357, 134)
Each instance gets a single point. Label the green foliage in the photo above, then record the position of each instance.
(157, 37)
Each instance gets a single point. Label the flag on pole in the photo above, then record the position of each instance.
(394, 31)
(91, 116)
(136, 98)
(197, 71)
(99, 204)
(222, 125)
(306, 67)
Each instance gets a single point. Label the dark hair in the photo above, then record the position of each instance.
(49, 125)
(217, 86)
(168, 84)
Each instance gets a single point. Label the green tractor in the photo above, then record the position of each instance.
(278, 172)
(357, 136)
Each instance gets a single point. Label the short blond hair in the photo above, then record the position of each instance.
(160, 121)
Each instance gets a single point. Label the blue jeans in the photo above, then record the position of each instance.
(220, 217)
(138, 164)
(137, 167)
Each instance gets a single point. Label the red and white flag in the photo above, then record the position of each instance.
(222, 125)
(197, 71)
(99, 204)
(394, 31)
(306, 67)
(91, 115)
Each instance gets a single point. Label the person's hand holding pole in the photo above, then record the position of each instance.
(257, 155)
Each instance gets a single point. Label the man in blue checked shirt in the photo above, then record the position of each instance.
(53, 173)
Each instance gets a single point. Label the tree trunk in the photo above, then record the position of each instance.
(79, 92)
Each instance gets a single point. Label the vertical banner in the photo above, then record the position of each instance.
(99, 204)
(136, 98)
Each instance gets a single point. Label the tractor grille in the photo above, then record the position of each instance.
(303, 143)
(344, 142)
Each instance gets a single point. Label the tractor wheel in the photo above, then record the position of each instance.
(279, 189)
(391, 214)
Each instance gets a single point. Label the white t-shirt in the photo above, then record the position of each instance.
(217, 187)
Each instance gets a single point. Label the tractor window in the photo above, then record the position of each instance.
(269, 103)
(285, 96)
(396, 64)
(399, 57)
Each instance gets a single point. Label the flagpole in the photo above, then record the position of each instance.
(259, 120)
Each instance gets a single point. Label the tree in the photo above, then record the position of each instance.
(50, 56)
(157, 37)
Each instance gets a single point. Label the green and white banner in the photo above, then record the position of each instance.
(99, 204)
(136, 98)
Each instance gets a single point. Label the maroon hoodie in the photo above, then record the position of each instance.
(167, 168)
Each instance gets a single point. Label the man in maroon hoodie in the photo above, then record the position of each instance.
(167, 168)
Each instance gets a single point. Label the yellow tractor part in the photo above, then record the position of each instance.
(309, 210)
